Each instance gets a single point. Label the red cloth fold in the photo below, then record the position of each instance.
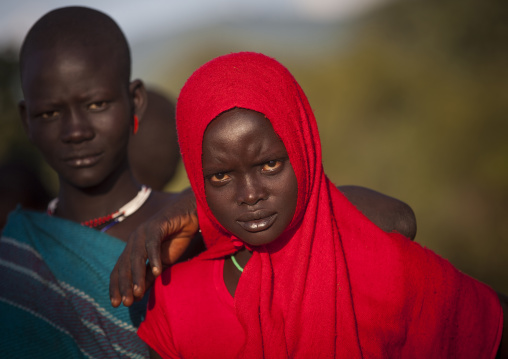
(334, 284)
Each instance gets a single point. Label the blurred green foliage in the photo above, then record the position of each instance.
(419, 105)
(413, 102)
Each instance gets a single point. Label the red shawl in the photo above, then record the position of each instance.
(333, 284)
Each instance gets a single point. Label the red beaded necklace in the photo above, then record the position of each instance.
(115, 217)
(96, 222)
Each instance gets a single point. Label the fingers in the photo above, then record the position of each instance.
(125, 286)
(175, 226)
(130, 263)
(114, 291)
(138, 269)
(120, 283)
(132, 267)
(153, 247)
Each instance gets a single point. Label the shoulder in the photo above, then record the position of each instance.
(20, 216)
(34, 227)
(163, 197)
(406, 289)
(159, 200)
(388, 213)
(155, 203)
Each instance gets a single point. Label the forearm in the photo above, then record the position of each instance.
(162, 240)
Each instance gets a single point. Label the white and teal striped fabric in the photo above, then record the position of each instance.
(54, 301)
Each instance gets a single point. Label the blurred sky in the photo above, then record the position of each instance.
(143, 18)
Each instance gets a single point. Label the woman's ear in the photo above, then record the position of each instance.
(139, 98)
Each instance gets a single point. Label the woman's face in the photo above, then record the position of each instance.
(250, 185)
(78, 112)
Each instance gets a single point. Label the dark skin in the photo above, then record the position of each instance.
(250, 184)
(78, 110)
(170, 230)
(155, 140)
(244, 163)
(79, 113)
(158, 239)
(386, 212)
(167, 233)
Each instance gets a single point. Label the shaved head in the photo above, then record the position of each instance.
(80, 30)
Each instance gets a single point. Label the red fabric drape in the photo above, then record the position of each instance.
(333, 284)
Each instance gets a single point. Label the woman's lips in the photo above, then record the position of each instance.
(83, 161)
(256, 224)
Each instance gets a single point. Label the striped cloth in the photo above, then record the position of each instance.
(54, 299)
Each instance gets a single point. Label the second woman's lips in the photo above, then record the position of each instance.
(82, 161)
(256, 222)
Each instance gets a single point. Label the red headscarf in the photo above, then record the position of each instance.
(334, 284)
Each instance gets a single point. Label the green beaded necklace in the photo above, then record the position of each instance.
(238, 266)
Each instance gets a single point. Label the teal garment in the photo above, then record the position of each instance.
(54, 287)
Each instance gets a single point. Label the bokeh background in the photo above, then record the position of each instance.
(411, 96)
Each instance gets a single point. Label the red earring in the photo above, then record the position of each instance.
(136, 124)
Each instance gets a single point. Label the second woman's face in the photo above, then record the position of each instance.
(250, 185)
(78, 113)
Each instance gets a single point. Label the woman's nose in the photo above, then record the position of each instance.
(76, 127)
(250, 190)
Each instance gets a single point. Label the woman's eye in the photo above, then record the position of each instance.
(99, 105)
(271, 166)
(219, 178)
(49, 115)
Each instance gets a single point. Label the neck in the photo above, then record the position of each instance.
(82, 204)
(231, 273)
(243, 256)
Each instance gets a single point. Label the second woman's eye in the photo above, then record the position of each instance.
(49, 115)
(272, 166)
(219, 178)
(97, 106)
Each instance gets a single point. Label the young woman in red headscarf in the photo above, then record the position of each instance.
(293, 269)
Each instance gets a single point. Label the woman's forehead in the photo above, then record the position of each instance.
(235, 122)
